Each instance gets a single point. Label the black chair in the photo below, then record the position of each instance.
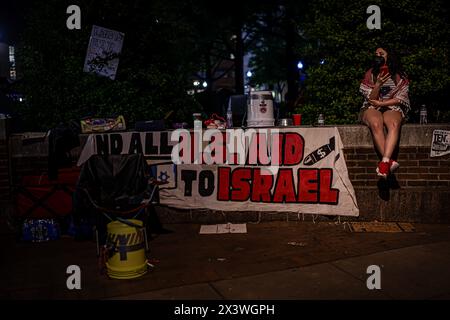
(115, 187)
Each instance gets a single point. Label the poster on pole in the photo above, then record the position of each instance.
(103, 52)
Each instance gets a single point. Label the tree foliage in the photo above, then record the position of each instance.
(417, 30)
(167, 44)
(153, 71)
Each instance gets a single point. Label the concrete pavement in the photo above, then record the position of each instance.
(274, 260)
(416, 272)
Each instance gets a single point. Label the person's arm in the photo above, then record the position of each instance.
(375, 94)
(385, 103)
(391, 102)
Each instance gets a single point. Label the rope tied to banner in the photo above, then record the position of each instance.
(314, 218)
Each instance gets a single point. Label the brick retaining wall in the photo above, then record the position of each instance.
(5, 191)
(417, 168)
(422, 194)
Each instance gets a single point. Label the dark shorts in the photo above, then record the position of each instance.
(382, 110)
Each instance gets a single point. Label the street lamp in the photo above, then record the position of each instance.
(300, 65)
(204, 84)
(249, 74)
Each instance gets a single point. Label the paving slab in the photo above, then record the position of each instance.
(417, 272)
(200, 291)
(185, 258)
(322, 281)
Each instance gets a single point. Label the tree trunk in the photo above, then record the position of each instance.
(209, 80)
(291, 61)
(239, 61)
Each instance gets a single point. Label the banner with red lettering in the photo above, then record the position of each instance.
(311, 178)
(299, 170)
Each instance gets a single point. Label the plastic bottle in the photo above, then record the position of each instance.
(321, 120)
(423, 114)
(197, 125)
(229, 118)
(197, 121)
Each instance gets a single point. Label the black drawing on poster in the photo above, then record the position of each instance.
(320, 153)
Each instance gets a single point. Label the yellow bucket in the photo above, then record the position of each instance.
(128, 258)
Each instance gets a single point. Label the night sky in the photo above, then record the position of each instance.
(11, 19)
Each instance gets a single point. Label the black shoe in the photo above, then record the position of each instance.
(393, 183)
(383, 189)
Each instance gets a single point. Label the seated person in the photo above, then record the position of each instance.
(386, 103)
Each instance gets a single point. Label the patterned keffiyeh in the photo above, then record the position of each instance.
(389, 90)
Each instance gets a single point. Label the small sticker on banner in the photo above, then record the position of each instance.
(166, 175)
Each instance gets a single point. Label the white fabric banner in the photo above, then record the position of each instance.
(313, 180)
(310, 177)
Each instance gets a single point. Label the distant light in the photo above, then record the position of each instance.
(20, 99)
(249, 73)
(196, 83)
(322, 61)
(204, 84)
(300, 65)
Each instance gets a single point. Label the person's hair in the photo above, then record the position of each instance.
(393, 63)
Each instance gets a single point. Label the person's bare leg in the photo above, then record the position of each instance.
(374, 120)
(393, 121)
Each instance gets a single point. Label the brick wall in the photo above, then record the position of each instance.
(29, 155)
(422, 193)
(417, 169)
(420, 190)
(5, 193)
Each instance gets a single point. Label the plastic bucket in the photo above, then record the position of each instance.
(128, 259)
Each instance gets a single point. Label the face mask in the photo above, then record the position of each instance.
(378, 61)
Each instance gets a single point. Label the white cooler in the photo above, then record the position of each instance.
(260, 110)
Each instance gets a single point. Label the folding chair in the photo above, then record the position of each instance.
(116, 187)
(113, 215)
